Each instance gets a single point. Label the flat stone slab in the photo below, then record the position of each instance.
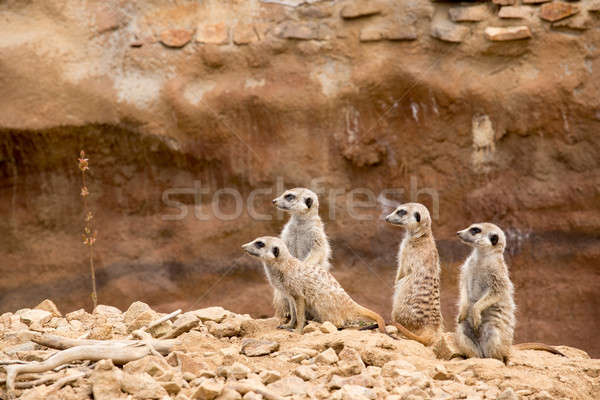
(449, 32)
(557, 10)
(504, 2)
(176, 38)
(534, 1)
(361, 9)
(468, 14)
(579, 22)
(516, 12)
(500, 34)
(300, 30)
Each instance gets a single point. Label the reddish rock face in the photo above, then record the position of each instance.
(557, 10)
(180, 140)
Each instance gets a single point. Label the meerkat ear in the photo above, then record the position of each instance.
(494, 239)
(308, 202)
(418, 217)
(276, 251)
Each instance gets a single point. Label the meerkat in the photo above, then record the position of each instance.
(304, 236)
(308, 286)
(416, 300)
(486, 308)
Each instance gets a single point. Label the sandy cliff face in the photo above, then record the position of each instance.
(424, 97)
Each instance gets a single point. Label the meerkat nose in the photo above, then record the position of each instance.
(458, 233)
(274, 201)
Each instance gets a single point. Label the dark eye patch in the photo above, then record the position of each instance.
(259, 244)
(494, 239)
(289, 197)
(308, 202)
(276, 251)
(401, 212)
(418, 217)
(474, 231)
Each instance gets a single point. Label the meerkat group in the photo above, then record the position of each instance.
(297, 267)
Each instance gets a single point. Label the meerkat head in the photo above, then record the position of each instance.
(483, 236)
(267, 248)
(298, 201)
(414, 217)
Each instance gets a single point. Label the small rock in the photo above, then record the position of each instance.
(301, 30)
(208, 390)
(141, 320)
(289, 386)
(216, 314)
(504, 2)
(244, 34)
(142, 386)
(256, 348)
(182, 324)
(327, 357)
(213, 34)
(238, 371)
(252, 396)
(557, 10)
(394, 367)
(391, 330)
(508, 394)
(171, 387)
(516, 12)
(306, 372)
(229, 327)
(103, 309)
(188, 364)
(48, 305)
(80, 315)
(350, 362)
(230, 352)
(359, 9)
(534, 1)
(229, 394)
(449, 32)
(441, 374)
(468, 14)
(498, 34)
(328, 327)
(135, 309)
(355, 392)
(36, 317)
(312, 326)
(269, 376)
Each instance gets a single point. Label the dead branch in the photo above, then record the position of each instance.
(62, 343)
(120, 353)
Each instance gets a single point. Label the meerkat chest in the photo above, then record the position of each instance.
(298, 240)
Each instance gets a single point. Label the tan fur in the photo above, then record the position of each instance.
(308, 286)
(304, 236)
(486, 310)
(416, 301)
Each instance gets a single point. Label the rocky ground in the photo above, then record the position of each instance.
(494, 106)
(222, 355)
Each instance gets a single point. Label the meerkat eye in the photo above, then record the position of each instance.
(259, 244)
(401, 213)
(308, 202)
(418, 217)
(276, 251)
(474, 231)
(289, 197)
(494, 239)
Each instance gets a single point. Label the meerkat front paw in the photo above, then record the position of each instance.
(287, 327)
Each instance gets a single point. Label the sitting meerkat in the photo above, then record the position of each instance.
(416, 301)
(486, 309)
(304, 235)
(308, 286)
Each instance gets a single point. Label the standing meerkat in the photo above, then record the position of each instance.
(416, 301)
(304, 235)
(486, 309)
(308, 286)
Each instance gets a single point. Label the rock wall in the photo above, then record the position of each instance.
(481, 110)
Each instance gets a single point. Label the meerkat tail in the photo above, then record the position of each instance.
(365, 312)
(409, 335)
(538, 346)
